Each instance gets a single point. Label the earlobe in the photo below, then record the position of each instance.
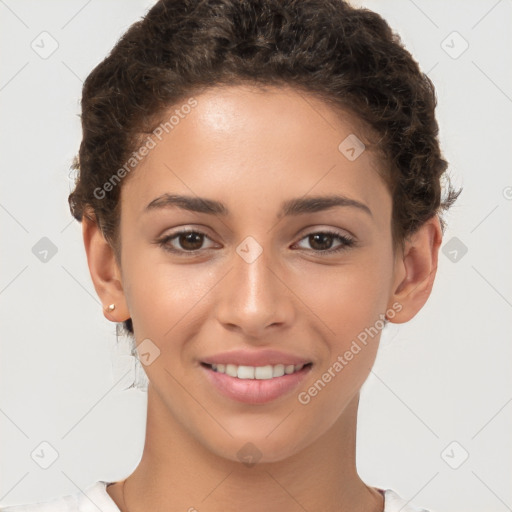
(415, 270)
(104, 270)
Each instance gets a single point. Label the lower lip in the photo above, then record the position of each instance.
(255, 391)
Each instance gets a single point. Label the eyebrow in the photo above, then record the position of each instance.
(290, 207)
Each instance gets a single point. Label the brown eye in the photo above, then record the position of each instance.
(322, 241)
(190, 241)
(183, 242)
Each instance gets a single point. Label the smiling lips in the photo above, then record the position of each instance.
(255, 377)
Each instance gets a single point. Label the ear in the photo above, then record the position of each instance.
(105, 272)
(415, 270)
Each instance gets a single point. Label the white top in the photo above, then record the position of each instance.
(95, 497)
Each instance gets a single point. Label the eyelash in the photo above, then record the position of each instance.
(346, 242)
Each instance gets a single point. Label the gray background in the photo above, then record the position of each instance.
(440, 390)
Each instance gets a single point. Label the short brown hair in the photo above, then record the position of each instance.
(348, 57)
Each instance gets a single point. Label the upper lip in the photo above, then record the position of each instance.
(262, 357)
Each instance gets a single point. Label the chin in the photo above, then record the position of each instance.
(258, 448)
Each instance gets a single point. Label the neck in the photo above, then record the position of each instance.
(176, 473)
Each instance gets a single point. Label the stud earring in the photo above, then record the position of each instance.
(111, 307)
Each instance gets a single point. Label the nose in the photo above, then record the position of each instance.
(254, 297)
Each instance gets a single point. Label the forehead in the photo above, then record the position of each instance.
(274, 141)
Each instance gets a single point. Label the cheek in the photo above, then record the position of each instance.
(349, 297)
(349, 302)
(164, 299)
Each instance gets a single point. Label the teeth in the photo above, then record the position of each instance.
(245, 372)
(256, 372)
(278, 370)
(231, 370)
(289, 369)
(263, 372)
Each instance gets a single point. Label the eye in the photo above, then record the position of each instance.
(321, 241)
(188, 241)
(191, 241)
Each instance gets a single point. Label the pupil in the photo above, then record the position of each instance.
(189, 241)
(322, 236)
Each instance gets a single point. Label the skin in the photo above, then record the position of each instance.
(252, 150)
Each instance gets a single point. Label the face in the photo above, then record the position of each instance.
(288, 261)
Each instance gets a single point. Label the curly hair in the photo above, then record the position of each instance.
(348, 57)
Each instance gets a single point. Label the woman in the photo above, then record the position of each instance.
(259, 187)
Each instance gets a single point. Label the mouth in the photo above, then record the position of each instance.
(255, 384)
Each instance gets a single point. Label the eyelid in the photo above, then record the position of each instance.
(321, 228)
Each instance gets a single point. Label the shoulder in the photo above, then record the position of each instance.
(92, 499)
(395, 503)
